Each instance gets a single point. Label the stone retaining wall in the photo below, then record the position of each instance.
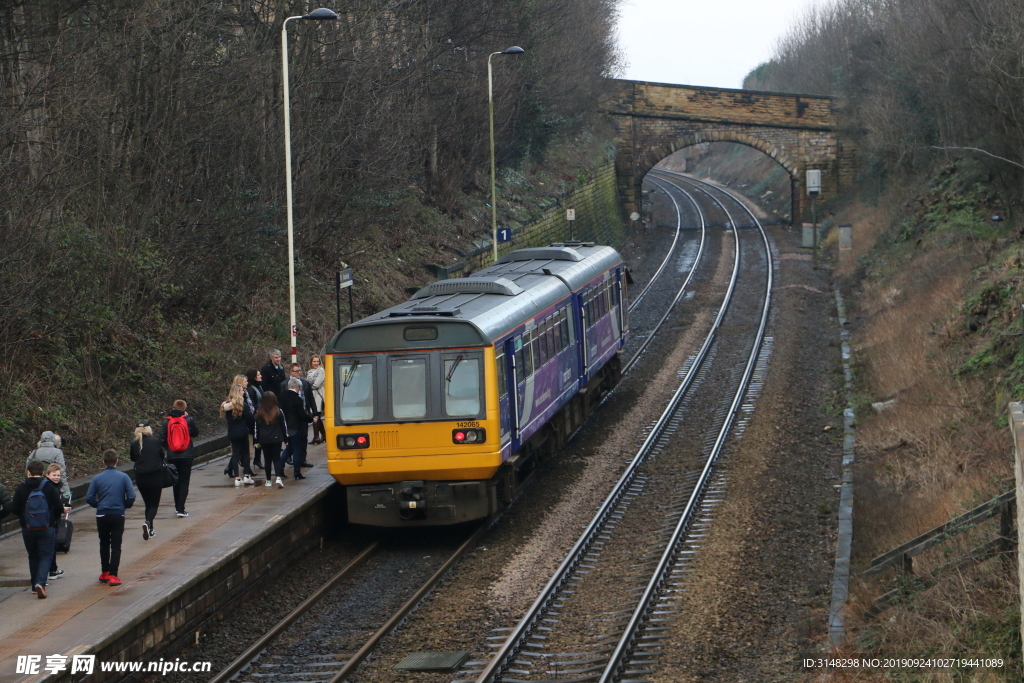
(599, 218)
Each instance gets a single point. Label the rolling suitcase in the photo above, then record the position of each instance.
(65, 529)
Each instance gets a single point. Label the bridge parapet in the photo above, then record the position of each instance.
(654, 120)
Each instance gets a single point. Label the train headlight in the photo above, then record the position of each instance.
(346, 441)
(469, 435)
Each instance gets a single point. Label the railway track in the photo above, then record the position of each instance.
(318, 641)
(603, 612)
(281, 655)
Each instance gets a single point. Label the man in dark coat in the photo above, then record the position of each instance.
(298, 419)
(39, 543)
(181, 459)
(308, 399)
(274, 375)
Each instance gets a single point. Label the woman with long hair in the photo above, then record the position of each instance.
(254, 392)
(315, 377)
(271, 432)
(239, 418)
(147, 452)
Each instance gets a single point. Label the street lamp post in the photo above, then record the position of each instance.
(321, 14)
(490, 105)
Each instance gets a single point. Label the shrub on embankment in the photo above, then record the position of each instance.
(141, 166)
(934, 287)
(928, 92)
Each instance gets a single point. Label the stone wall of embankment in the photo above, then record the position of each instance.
(599, 218)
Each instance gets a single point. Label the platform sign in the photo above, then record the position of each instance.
(504, 235)
(570, 214)
(346, 279)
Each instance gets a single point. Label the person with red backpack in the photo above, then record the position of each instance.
(178, 437)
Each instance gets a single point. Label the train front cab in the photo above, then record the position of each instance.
(413, 433)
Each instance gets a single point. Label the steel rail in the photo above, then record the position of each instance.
(689, 276)
(512, 644)
(624, 646)
(260, 645)
(409, 605)
(664, 262)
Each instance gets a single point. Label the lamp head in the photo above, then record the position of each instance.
(514, 50)
(322, 14)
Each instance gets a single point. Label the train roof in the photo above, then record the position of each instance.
(479, 309)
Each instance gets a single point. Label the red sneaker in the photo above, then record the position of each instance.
(105, 577)
(113, 580)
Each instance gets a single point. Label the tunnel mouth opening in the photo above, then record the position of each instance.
(738, 167)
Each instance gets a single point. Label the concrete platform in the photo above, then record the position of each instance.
(172, 582)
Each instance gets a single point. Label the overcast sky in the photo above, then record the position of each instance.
(701, 43)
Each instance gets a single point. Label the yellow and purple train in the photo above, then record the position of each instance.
(438, 408)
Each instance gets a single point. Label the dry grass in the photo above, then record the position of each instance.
(935, 453)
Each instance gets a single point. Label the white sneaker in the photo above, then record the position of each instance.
(247, 480)
(238, 482)
(181, 514)
(280, 484)
(268, 484)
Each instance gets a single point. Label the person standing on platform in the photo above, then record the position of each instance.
(240, 425)
(111, 492)
(274, 374)
(148, 454)
(298, 417)
(178, 436)
(271, 432)
(315, 377)
(38, 504)
(306, 395)
(254, 395)
(48, 452)
(53, 473)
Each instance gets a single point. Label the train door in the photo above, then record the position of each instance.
(507, 383)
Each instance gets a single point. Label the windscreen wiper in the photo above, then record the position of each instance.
(451, 372)
(351, 373)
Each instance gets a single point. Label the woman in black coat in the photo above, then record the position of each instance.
(147, 452)
(271, 432)
(239, 418)
(254, 396)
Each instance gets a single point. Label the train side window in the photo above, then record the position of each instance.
(528, 353)
(462, 387)
(550, 333)
(608, 302)
(543, 351)
(563, 328)
(520, 357)
(355, 388)
(499, 362)
(408, 388)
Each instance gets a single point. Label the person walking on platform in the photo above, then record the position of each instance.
(254, 395)
(271, 432)
(298, 418)
(274, 374)
(240, 423)
(38, 504)
(178, 437)
(111, 492)
(148, 454)
(48, 452)
(53, 473)
(315, 377)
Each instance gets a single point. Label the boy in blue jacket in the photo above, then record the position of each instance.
(111, 492)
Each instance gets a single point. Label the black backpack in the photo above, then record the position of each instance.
(37, 509)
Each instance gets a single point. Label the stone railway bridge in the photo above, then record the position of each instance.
(653, 120)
